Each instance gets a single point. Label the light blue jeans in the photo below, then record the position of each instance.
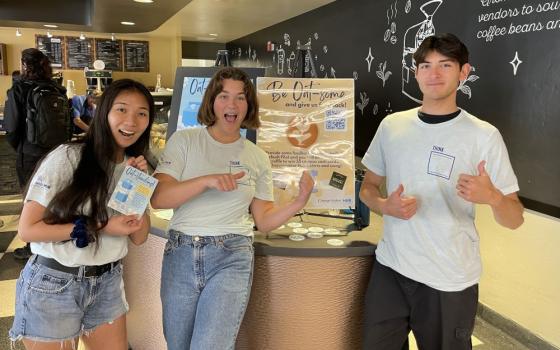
(205, 287)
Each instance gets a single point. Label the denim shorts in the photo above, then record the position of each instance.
(52, 305)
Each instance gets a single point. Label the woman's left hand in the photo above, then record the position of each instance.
(139, 163)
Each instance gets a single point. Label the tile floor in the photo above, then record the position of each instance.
(485, 336)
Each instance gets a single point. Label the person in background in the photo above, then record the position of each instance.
(437, 161)
(36, 67)
(83, 110)
(16, 75)
(72, 288)
(212, 176)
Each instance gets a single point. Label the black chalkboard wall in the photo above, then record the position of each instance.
(515, 85)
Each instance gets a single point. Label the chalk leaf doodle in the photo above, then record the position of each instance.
(363, 103)
(463, 87)
(407, 6)
(382, 73)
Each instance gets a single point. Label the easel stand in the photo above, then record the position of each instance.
(303, 53)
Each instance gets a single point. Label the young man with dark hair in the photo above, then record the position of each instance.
(437, 161)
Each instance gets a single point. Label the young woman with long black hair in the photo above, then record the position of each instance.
(72, 286)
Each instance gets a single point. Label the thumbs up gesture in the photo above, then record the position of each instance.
(399, 206)
(477, 188)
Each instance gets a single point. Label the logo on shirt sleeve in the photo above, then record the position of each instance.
(41, 184)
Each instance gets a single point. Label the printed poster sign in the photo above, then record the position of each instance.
(191, 98)
(308, 124)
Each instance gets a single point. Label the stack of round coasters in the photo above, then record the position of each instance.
(294, 237)
(300, 230)
(294, 224)
(316, 229)
(335, 242)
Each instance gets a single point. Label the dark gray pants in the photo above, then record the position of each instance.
(395, 305)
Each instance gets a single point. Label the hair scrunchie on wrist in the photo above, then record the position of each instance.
(79, 233)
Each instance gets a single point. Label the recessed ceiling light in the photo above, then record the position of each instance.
(128, 23)
(213, 34)
(204, 38)
(50, 25)
(144, 1)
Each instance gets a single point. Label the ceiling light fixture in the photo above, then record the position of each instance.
(128, 23)
(49, 34)
(50, 25)
(113, 38)
(18, 32)
(144, 1)
(82, 36)
(213, 34)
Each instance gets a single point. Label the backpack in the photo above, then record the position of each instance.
(49, 116)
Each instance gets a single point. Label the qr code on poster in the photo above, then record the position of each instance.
(335, 120)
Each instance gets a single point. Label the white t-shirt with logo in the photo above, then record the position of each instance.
(439, 245)
(54, 174)
(192, 153)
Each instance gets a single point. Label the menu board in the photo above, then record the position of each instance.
(79, 53)
(136, 56)
(109, 51)
(53, 48)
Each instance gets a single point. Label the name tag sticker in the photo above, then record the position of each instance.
(440, 164)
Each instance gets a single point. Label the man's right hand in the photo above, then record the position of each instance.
(399, 206)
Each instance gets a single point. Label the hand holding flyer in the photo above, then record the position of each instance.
(133, 191)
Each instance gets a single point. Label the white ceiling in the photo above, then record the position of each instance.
(231, 19)
(188, 19)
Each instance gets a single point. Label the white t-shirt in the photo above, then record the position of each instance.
(438, 246)
(55, 173)
(192, 153)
